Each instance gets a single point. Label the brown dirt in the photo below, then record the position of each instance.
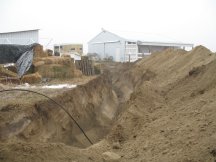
(93, 105)
(2, 86)
(166, 113)
(170, 114)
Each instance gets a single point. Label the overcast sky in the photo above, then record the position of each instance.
(78, 21)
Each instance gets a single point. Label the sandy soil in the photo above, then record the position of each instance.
(165, 112)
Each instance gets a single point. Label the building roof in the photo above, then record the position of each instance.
(65, 44)
(150, 38)
(168, 44)
(147, 38)
(20, 31)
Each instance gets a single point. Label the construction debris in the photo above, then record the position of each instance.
(22, 55)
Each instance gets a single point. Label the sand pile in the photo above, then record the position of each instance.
(171, 116)
(162, 67)
(170, 65)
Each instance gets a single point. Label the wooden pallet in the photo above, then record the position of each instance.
(85, 65)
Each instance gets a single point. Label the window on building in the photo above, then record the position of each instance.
(80, 49)
(131, 42)
(72, 49)
(57, 47)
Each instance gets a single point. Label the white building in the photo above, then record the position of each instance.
(124, 49)
(20, 37)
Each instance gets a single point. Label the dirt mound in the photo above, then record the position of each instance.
(170, 117)
(171, 65)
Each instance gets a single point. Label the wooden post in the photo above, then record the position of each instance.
(129, 57)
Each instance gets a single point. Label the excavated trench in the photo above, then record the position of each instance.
(93, 105)
(157, 109)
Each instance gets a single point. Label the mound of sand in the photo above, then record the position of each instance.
(169, 117)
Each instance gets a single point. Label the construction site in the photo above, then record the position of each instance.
(158, 108)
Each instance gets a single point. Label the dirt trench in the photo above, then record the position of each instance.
(161, 108)
(93, 105)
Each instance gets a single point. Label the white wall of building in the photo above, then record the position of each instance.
(107, 45)
(20, 37)
(131, 52)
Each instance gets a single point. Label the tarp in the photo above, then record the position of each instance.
(22, 55)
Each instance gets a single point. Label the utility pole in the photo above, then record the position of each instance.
(59, 50)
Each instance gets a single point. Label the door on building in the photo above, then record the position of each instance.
(117, 55)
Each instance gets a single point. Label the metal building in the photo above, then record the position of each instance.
(128, 48)
(20, 37)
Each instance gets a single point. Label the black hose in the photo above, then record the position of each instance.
(8, 90)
